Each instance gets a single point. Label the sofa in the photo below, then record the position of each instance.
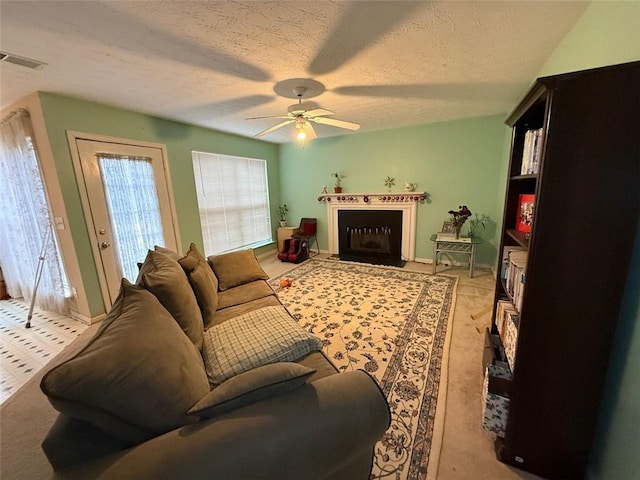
(177, 383)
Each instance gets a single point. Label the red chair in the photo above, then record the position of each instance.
(307, 231)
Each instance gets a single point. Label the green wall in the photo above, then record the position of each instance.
(456, 163)
(609, 33)
(65, 113)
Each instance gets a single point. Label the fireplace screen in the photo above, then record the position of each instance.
(369, 239)
(370, 236)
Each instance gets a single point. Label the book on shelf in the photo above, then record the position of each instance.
(531, 152)
(524, 218)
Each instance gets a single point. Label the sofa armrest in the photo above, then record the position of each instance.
(316, 432)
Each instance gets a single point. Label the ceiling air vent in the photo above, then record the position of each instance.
(22, 61)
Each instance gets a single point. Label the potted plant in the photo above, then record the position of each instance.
(475, 222)
(283, 210)
(338, 176)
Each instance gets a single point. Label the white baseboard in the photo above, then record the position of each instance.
(87, 320)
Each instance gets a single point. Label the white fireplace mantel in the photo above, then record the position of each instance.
(407, 202)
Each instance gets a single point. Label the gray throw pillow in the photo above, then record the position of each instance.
(203, 282)
(251, 387)
(237, 268)
(136, 378)
(165, 278)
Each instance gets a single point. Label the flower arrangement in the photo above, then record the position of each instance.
(338, 178)
(458, 218)
(389, 182)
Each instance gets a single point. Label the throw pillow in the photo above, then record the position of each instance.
(168, 252)
(263, 336)
(203, 282)
(164, 277)
(251, 387)
(136, 378)
(237, 268)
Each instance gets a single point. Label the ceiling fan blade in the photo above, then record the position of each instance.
(336, 123)
(318, 112)
(275, 127)
(271, 116)
(311, 133)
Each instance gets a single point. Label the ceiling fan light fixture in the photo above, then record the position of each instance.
(301, 136)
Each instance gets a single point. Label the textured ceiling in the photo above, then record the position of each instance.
(215, 63)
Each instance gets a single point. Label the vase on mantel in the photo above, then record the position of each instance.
(337, 189)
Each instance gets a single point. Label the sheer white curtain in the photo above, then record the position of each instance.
(134, 211)
(25, 218)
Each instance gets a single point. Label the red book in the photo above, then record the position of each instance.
(525, 212)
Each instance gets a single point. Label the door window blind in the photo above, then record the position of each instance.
(233, 200)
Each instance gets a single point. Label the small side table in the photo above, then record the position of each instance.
(452, 245)
(283, 234)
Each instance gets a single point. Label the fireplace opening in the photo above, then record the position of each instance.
(371, 236)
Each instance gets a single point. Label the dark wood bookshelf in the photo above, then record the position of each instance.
(586, 209)
(521, 238)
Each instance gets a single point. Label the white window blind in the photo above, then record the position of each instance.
(233, 200)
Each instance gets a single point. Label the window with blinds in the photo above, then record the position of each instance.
(233, 199)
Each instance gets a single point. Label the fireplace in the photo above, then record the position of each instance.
(407, 205)
(371, 236)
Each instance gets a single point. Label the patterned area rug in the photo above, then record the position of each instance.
(392, 323)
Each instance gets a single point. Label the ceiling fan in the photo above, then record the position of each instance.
(302, 114)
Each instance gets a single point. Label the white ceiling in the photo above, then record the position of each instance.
(215, 63)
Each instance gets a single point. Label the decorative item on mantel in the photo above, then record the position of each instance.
(380, 197)
(283, 210)
(389, 182)
(410, 187)
(338, 181)
(324, 189)
(458, 218)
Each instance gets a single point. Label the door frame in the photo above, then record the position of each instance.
(72, 136)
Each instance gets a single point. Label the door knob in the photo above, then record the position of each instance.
(105, 245)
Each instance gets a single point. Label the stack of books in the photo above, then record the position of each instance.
(451, 237)
(505, 260)
(516, 275)
(531, 152)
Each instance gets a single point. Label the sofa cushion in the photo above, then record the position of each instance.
(264, 336)
(236, 268)
(244, 293)
(203, 281)
(237, 310)
(318, 362)
(165, 278)
(251, 387)
(136, 378)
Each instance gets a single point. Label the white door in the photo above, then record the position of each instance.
(130, 207)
